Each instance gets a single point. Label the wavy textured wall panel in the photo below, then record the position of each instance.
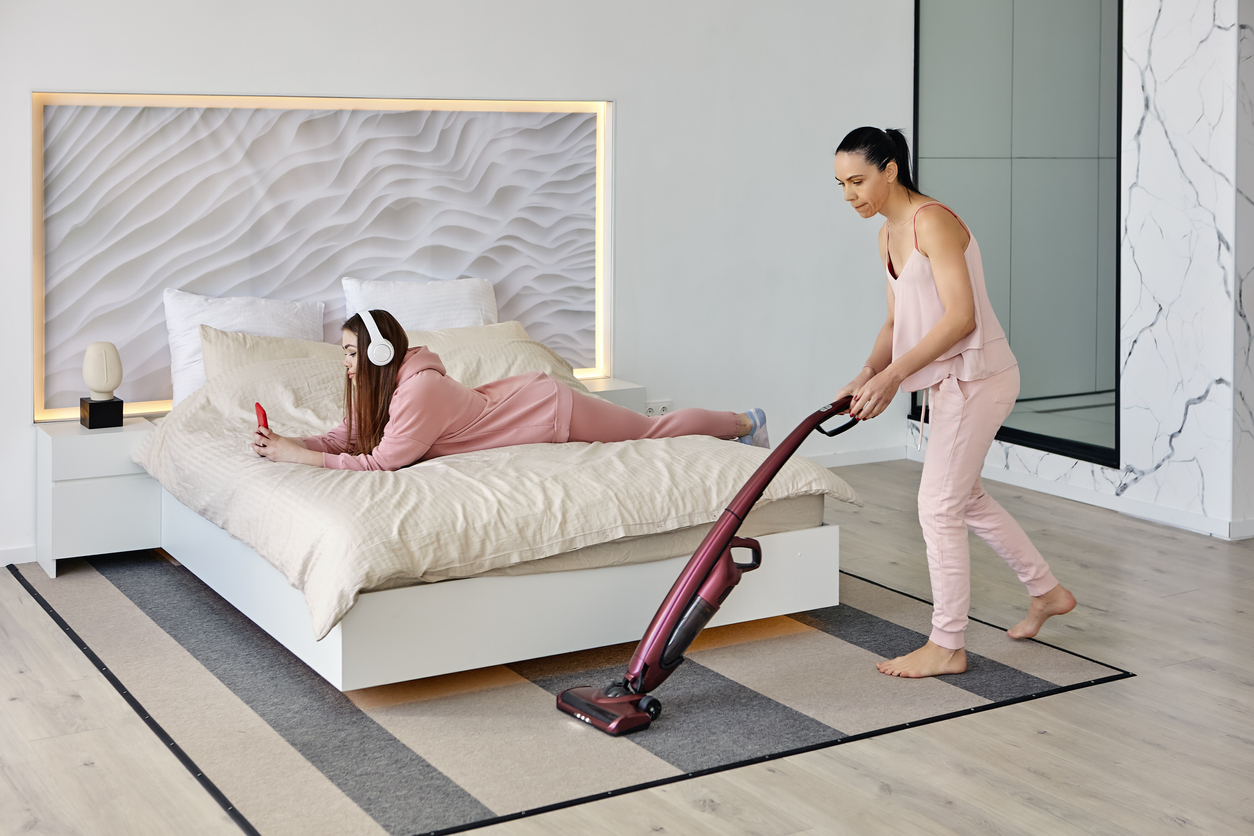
(283, 203)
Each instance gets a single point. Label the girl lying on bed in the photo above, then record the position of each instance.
(401, 407)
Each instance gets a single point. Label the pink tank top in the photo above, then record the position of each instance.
(917, 308)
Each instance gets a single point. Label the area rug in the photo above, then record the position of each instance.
(284, 752)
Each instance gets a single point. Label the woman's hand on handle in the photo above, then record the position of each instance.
(853, 387)
(874, 396)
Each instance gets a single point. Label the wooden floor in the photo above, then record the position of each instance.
(1170, 751)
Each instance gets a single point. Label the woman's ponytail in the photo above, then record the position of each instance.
(880, 148)
(902, 158)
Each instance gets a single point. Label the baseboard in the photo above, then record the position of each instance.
(1138, 508)
(1124, 505)
(1241, 529)
(17, 554)
(880, 454)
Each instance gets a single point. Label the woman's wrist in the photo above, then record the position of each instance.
(892, 373)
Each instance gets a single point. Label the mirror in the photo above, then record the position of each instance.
(1017, 130)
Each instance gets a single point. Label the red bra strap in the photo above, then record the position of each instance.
(924, 206)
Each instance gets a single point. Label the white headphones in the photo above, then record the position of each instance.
(380, 351)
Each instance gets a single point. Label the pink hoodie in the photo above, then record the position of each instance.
(432, 415)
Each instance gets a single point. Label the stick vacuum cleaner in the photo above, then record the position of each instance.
(710, 576)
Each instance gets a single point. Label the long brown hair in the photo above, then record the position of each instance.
(368, 395)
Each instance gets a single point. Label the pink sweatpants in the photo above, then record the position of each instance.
(592, 419)
(965, 416)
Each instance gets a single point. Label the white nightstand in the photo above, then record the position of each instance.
(91, 498)
(630, 395)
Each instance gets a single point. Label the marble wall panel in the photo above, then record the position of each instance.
(1178, 258)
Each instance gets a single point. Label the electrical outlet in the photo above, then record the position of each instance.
(656, 408)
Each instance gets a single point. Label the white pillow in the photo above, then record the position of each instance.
(425, 306)
(186, 312)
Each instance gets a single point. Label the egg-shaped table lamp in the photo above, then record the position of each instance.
(102, 372)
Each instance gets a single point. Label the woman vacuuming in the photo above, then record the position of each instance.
(942, 337)
(401, 407)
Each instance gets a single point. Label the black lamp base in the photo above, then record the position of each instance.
(96, 415)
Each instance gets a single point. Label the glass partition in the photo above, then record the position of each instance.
(1017, 130)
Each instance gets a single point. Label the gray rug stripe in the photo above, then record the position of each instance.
(985, 677)
(389, 781)
(707, 719)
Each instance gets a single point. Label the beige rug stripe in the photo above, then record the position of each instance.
(834, 682)
(478, 727)
(992, 643)
(194, 707)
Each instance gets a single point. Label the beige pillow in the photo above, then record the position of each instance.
(226, 352)
(445, 338)
(474, 364)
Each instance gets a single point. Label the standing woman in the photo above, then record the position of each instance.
(941, 336)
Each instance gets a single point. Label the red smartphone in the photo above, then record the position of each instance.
(261, 416)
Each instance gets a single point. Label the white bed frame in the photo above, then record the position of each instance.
(430, 629)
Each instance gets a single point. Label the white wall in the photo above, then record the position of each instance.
(739, 278)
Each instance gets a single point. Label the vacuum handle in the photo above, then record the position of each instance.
(755, 551)
(839, 407)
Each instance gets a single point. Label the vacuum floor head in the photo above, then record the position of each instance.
(612, 713)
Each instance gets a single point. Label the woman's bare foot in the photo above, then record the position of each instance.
(929, 660)
(1055, 602)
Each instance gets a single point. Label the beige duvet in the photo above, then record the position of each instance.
(335, 534)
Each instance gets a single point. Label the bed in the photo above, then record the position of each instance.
(464, 561)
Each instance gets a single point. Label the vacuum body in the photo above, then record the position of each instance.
(706, 581)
